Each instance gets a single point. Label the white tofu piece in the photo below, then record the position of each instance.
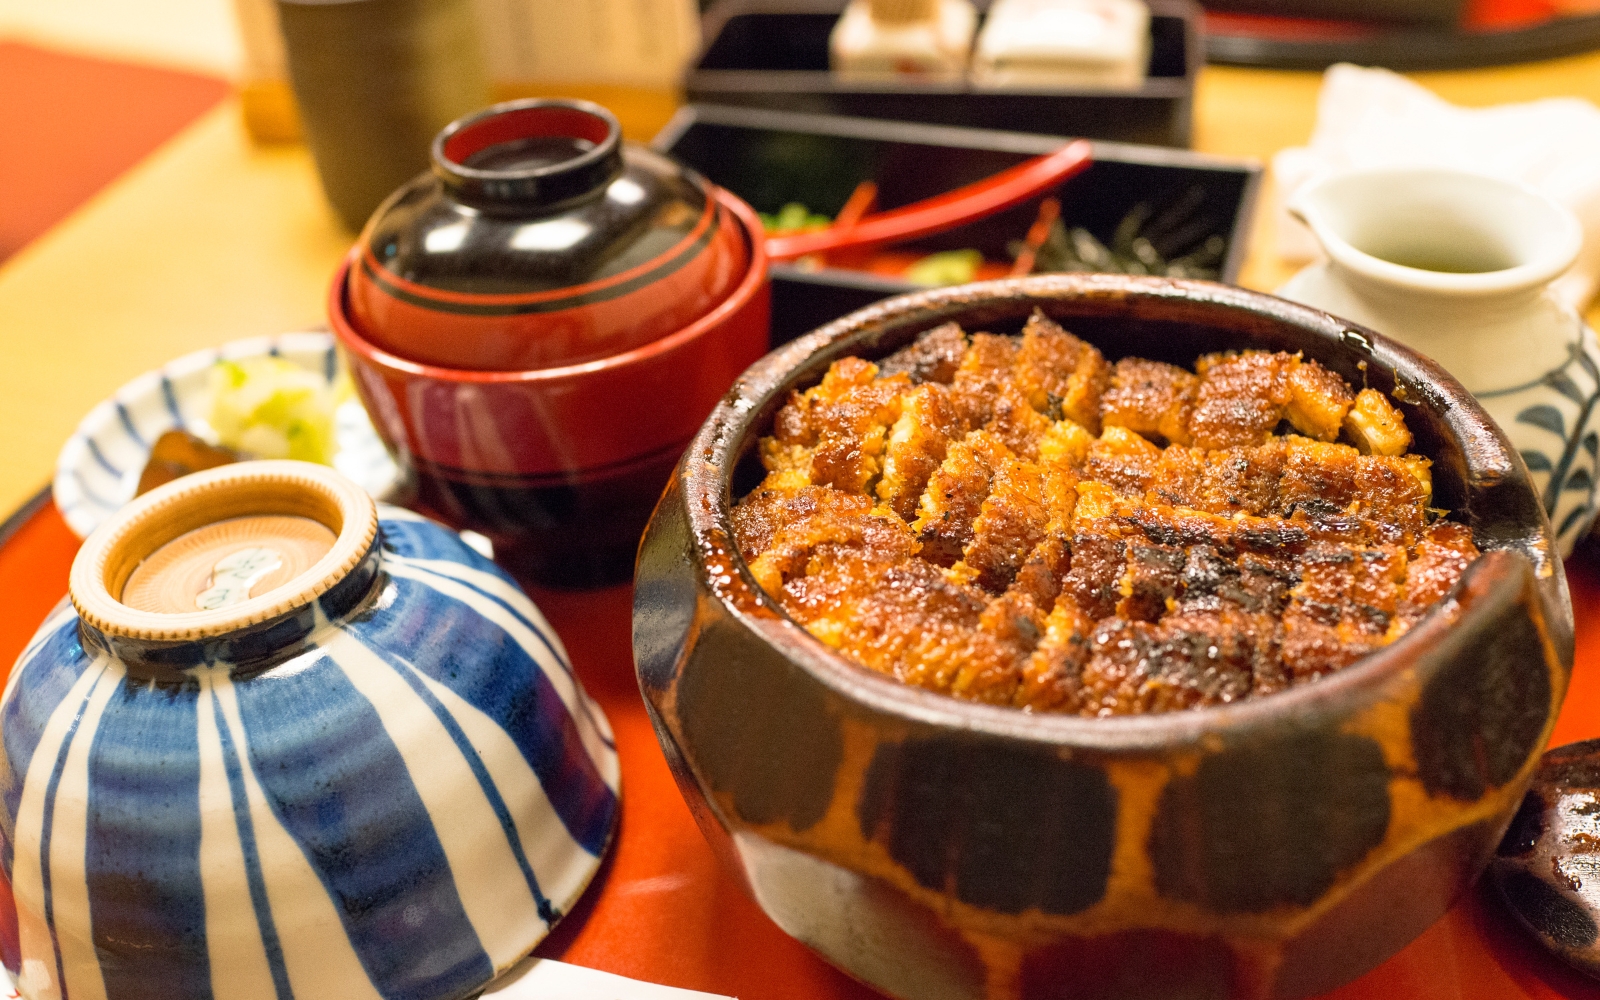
(936, 48)
(1091, 44)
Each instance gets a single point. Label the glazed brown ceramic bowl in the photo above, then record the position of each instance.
(941, 848)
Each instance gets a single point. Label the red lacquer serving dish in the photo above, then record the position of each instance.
(663, 910)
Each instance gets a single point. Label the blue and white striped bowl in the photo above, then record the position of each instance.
(98, 468)
(399, 807)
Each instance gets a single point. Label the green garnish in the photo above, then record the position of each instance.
(793, 218)
(951, 267)
(266, 407)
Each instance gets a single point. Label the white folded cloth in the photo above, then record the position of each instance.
(543, 979)
(1370, 118)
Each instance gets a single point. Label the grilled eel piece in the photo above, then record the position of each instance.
(1014, 520)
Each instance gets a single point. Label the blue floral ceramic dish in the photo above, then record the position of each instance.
(379, 779)
(98, 468)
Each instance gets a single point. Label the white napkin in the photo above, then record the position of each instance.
(1368, 118)
(542, 979)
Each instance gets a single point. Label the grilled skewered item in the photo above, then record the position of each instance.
(1014, 520)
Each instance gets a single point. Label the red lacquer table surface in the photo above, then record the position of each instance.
(661, 910)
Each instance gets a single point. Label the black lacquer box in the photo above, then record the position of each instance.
(774, 54)
(771, 158)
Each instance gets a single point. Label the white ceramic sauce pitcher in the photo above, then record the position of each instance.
(1457, 266)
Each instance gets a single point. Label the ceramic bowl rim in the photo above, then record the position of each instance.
(756, 275)
(706, 483)
(138, 521)
(1550, 264)
(609, 146)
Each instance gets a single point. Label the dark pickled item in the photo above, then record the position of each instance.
(1178, 240)
(1017, 521)
(178, 453)
(1547, 869)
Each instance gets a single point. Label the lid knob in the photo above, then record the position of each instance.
(537, 152)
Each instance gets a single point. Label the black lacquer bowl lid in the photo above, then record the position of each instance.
(540, 239)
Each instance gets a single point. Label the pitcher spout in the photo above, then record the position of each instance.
(1449, 232)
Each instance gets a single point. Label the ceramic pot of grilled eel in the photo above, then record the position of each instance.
(1276, 846)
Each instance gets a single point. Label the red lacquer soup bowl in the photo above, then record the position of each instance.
(560, 466)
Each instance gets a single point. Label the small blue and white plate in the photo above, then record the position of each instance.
(99, 466)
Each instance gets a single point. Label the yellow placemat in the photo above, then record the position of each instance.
(215, 238)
